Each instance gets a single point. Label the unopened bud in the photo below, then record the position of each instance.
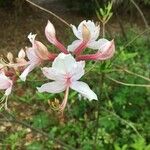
(21, 54)
(10, 57)
(85, 33)
(50, 30)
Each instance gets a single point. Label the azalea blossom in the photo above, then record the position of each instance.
(5, 84)
(66, 72)
(36, 55)
(87, 33)
(51, 36)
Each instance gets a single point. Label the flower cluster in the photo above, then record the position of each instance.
(66, 70)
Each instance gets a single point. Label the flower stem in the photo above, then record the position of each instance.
(64, 103)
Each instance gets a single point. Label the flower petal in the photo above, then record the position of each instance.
(24, 74)
(41, 50)
(78, 70)
(31, 37)
(74, 45)
(52, 87)
(32, 56)
(84, 90)
(53, 74)
(76, 32)
(64, 62)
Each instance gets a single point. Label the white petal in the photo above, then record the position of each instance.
(94, 45)
(84, 90)
(64, 62)
(31, 37)
(102, 44)
(78, 70)
(53, 74)
(76, 32)
(24, 74)
(52, 87)
(80, 27)
(74, 45)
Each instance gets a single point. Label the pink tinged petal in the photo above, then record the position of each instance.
(74, 45)
(53, 74)
(41, 50)
(64, 63)
(24, 74)
(52, 87)
(106, 52)
(51, 36)
(32, 56)
(84, 90)
(78, 71)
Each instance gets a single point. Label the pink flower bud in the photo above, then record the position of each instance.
(51, 36)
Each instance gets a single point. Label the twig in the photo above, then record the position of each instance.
(130, 124)
(135, 74)
(128, 84)
(141, 13)
(14, 120)
(48, 11)
(136, 37)
(129, 43)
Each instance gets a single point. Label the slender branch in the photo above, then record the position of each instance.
(135, 74)
(48, 11)
(141, 13)
(130, 124)
(136, 37)
(128, 84)
(129, 43)
(14, 120)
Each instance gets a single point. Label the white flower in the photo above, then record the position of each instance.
(36, 55)
(66, 72)
(87, 33)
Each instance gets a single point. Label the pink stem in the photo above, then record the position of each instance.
(61, 47)
(63, 105)
(80, 48)
(52, 56)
